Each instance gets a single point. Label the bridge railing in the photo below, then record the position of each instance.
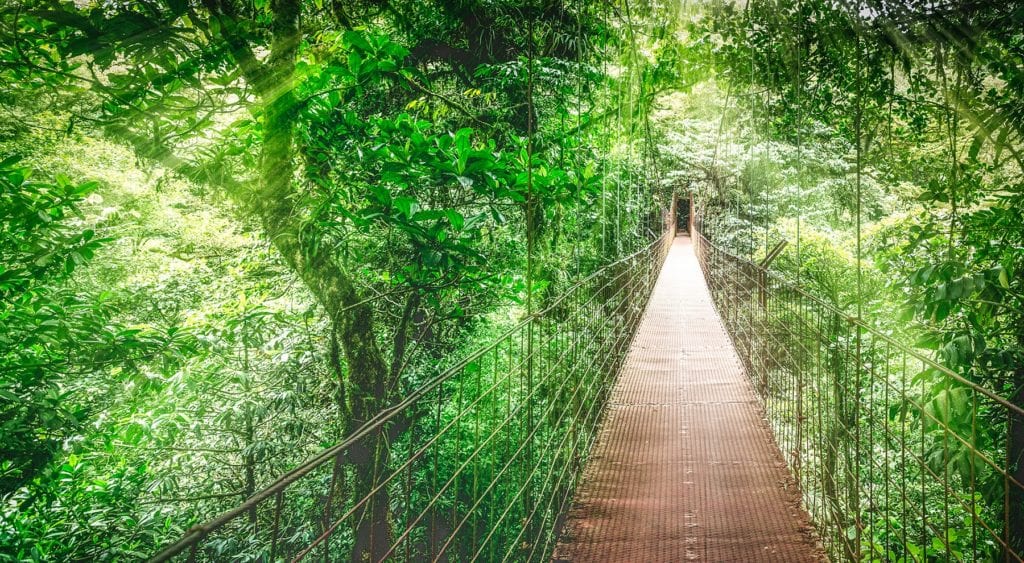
(479, 463)
(897, 457)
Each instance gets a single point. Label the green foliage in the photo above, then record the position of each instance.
(57, 340)
(326, 201)
(880, 140)
(323, 203)
(46, 329)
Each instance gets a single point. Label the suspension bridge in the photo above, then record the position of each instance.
(685, 468)
(706, 410)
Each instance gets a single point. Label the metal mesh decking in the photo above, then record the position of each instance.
(685, 467)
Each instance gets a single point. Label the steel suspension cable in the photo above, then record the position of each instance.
(530, 204)
(605, 126)
(638, 174)
(619, 128)
(858, 131)
(751, 91)
(798, 92)
(767, 137)
(631, 111)
(580, 158)
(531, 232)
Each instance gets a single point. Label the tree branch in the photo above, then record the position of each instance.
(444, 99)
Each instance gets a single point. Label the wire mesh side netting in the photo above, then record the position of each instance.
(897, 457)
(480, 463)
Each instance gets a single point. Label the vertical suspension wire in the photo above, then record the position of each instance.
(632, 112)
(885, 420)
(604, 136)
(619, 128)
(751, 92)
(734, 156)
(627, 124)
(529, 165)
(580, 157)
(766, 137)
(749, 168)
(799, 168)
(858, 131)
(638, 115)
(530, 243)
(798, 92)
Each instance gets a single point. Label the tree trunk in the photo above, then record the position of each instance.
(274, 203)
(275, 206)
(353, 320)
(368, 376)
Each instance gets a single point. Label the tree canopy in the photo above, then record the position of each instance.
(231, 233)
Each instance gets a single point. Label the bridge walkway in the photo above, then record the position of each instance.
(685, 467)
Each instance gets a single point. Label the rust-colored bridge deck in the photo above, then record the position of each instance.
(685, 468)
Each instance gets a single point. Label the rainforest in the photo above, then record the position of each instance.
(371, 280)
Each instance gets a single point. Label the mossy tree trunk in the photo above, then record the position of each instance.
(274, 203)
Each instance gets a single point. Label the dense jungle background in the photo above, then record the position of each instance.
(232, 232)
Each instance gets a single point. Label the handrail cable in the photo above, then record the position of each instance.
(390, 414)
(886, 485)
(875, 333)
